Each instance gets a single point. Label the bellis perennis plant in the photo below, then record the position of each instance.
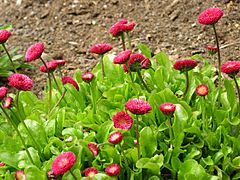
(163, 119)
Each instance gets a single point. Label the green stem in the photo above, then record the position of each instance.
(58, 88)
(219, 61)
(50, 84)
(103, 72)
(129, 41)
(169, 124)
(60, 72)
(123, 42)
(9, 57)
(18, 132)
(73, 174)
(62, 97)
(137, 137)
(187, 84)
(142, 81)
(21, 113)
(93, 98)
(238, 91)
(204, 119)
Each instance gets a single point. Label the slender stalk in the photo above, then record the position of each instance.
(187, 84)
(129, 41)
(93, 98)
(142, 81)
(9, 57)
(103, 72)
(60, 72)
(50, 84)
(169, 124)
(137, 137)
(18, 132)
(204, 119)
(59, 101)
(219, 61)
(22, 116)
(59, 90)
(73, 174)
(238, 90)
(123, 42)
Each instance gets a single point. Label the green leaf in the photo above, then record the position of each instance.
(33, 173)
(145, 50)
(231, 95)
(148, 142)
(9, 158)
(103, 131)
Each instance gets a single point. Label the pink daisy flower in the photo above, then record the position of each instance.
(122, 120)
(90, 172)
(93, 148)
(138, 106)
(100, 48)
(146, 64)
(87, 77)
(4, 35)
(69, 80)
(8, 102)
(202, 90)
(52, 65)
(63, 163)
(231, 68)
(212, 50)
(129, 26)
(3, 92)
(115, 137)
(185, 65)
(113, 170)
(122, 57)
(135, 62)
(117, 28)
(34, 52)
(60, 62)
(2, 164)
(167, 108)
(20, 175)
(20, 82)
(210, 16)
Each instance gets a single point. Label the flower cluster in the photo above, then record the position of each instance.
(121, 26)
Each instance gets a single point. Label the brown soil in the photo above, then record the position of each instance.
(69, 28)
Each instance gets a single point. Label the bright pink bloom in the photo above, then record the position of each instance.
(93, 148)
(146, 64)
(125, 69)
(4, 35)
(100, 48)
(20, 82)
(113, 169)
(69, 80)
(122, 57)
(138, 106)
(3, 92)
(202, 90)
(63, 163)
(185, 65)
(210, 16)
(90, 172)
(129, 26)
(34, 52)
(2, 164)
(167, 108)
(87, 77)
(20, 175)
(60, 62)
(115, 137)
(135, 62)
(231, 68)
(122, 120)
(117, 28)
(8, 102)
(52, 65)
(212, 50)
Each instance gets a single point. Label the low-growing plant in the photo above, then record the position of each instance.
(135, 116)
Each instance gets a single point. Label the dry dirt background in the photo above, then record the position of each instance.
(69, 27)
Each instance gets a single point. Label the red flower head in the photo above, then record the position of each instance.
(20, 82)
(93, 148)
(117, 28)
(113, 169)
(52, 65)
(34, 52)
(146, 64)
(210, 16)
(2, 164)
(4, 35)
(122, 57)
(122, 120)
(125, 69)
(8, 102)
(90, 172)
(60, 62)
(115, 137)
(20, 175)
(135, 62)
(212, 50)
(69, 80)
(138, 106)
(167, 108)
(185, 65)
(87, 77)
(129, 26)
(231, 68)
(63, 163)
(100, 48)
(3, 92)
(202, 90)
